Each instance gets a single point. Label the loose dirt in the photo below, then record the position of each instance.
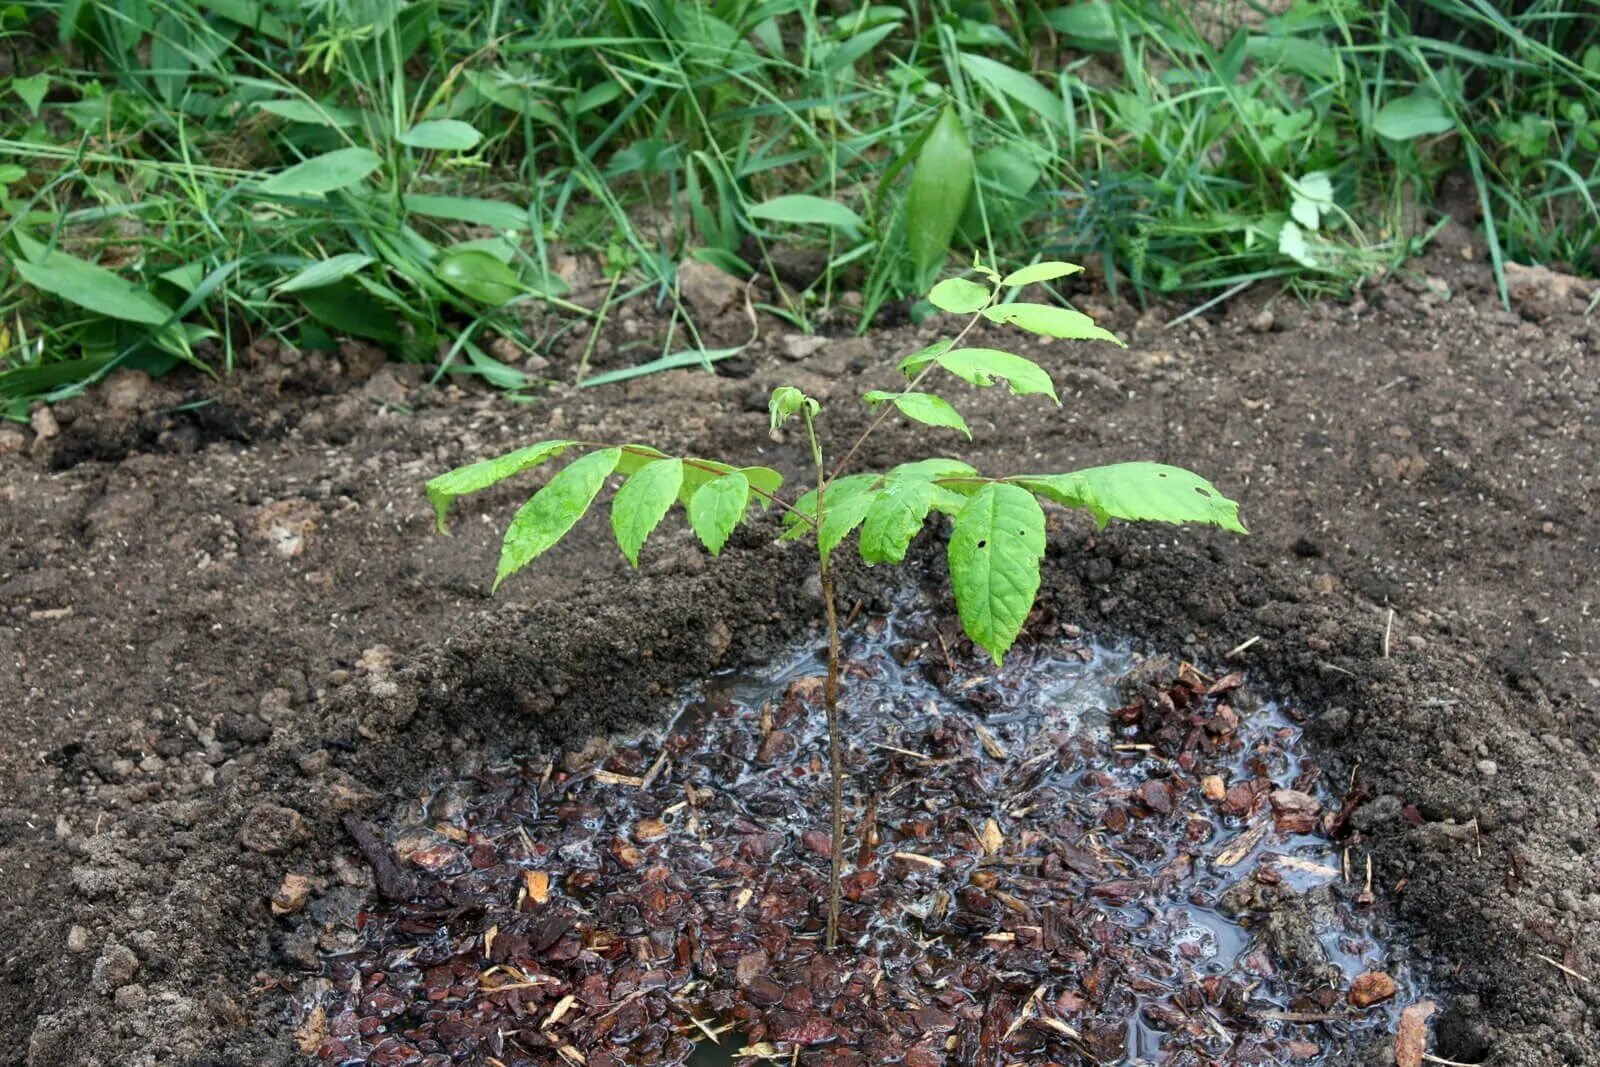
(231, 626)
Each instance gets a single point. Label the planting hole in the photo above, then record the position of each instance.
(1078, 858)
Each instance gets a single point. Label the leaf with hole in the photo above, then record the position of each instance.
(801, 209)
(925, 408)
(996, 543)
(553, 510)
(716, 508)
(442, 135)
(326, 173)
(325, 272)
(642, 502)
(1047, 320)
(1145, 492)
(959, 296)
(940, 186)
(445, 488)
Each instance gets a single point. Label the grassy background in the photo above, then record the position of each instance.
(181, 176)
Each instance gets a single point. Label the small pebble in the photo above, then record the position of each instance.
(1488, 768)
(78, 939)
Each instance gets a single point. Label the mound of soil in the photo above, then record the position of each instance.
(229, 632)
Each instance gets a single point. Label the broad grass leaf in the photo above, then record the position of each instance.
(479, 275)
(1047, 320)
(1001, 81)
(1406, 118)
(959, 296)
(310, 114)
(470, 209)
(716, 508)
(690, 357)
(486, 472)
(996, 544)
(553, 510)
(981, 366)
(893, 518)
(442, 135)
(348, 308)
(1039, 272)
(1148, 492)
(326, 272)
(642, 502)
(803, 209)
(338, 169)
(925, 408)
(91, 286)
(940, 186)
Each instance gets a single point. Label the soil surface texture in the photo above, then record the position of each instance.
(227, 625)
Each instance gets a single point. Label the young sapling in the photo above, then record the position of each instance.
(997, 535)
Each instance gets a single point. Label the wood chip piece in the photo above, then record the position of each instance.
(923, 861)
(1411, 1039)
(1371, 987)
(1241, 846)
(538, 885)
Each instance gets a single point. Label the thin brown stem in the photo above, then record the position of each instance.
(835, 760)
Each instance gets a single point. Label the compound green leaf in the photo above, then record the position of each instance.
(1150, 492)
(801, 209)
(940, 186)
(925, 408)
(91, 286)
(995, 547)
(981, 366)
(642, 502)
(442, 135)
(1047, 320)
(1039, 272)
(338, 169)
(486, 472)
(893, 518)
(554, 510)
(326, 272)
(960, 296)
(716, 508)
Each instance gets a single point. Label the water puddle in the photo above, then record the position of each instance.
(1044, 866)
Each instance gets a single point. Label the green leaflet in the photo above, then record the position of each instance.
(940, 186)
(959, 296)
(697, 472)
(1040, 272)
(1047, 320)
(894, 517)
(995, 548)
(716, 508)
(922, 407)
(325, 272)
(554, 510)
(981, 366)
(1150, 492)
(841, 516)
(442, 135)
(323, 174)
(486, 472)
(802, 209)
(839, 490)
(642, 502)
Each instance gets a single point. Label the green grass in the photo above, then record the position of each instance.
(445, 149)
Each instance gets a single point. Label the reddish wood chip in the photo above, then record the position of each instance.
(1371, 987)
(1411, 1040)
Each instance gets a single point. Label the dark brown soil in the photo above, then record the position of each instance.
(231, 626)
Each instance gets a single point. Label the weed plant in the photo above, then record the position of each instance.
(177, 178)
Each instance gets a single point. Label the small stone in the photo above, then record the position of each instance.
(1264, 321)
(708, 290)
(1488, 768)
(291, 895)
(115, 968)
(1371, 987)
(12, 440)
(78, 939)
(126, 389)
(271, 829)
(43, 421)
(312, 764)
(1213, 787)
(276, 705)
(798, 346)
(131, 997)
